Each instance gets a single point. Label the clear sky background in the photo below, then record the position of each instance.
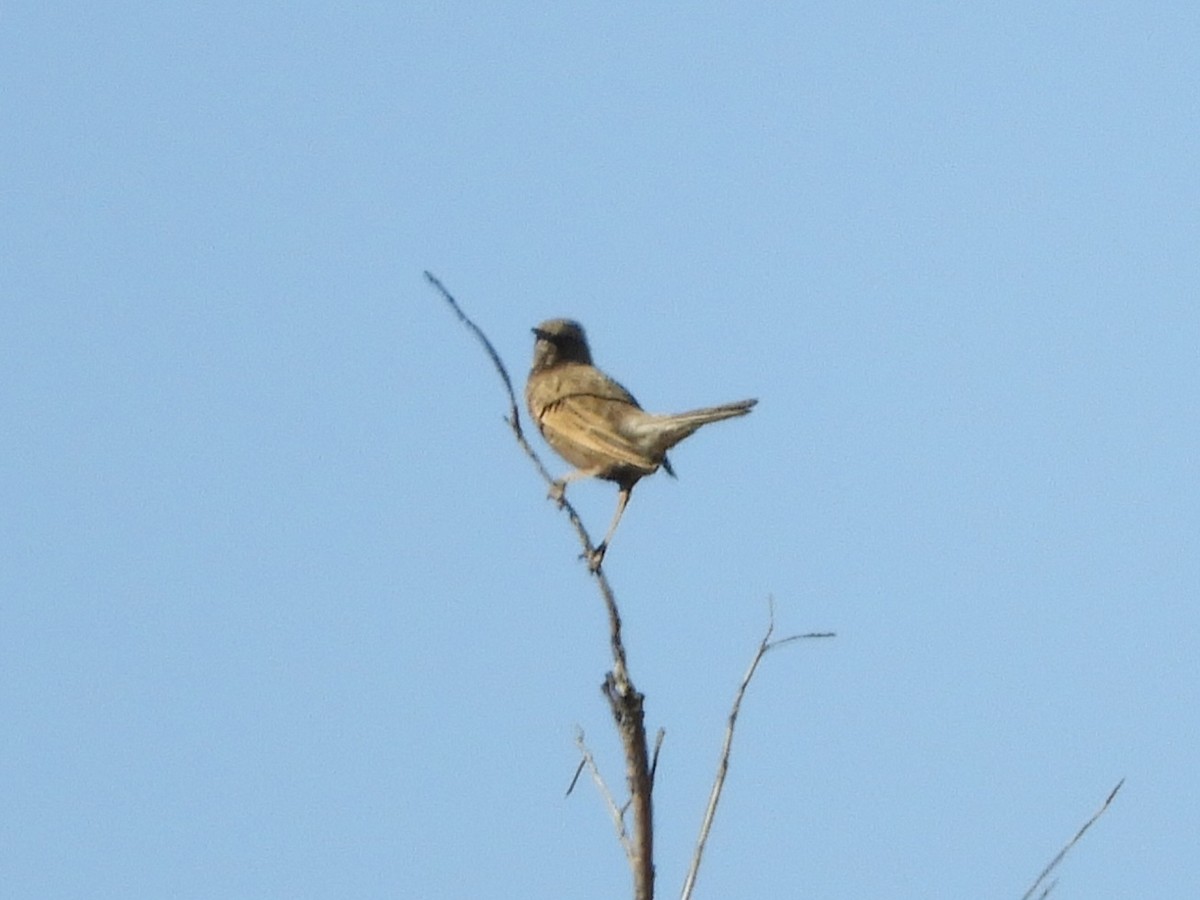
(283, 610)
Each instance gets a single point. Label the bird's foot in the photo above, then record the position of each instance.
(594, 558)
(558, 492)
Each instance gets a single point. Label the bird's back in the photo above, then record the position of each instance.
(585, 416)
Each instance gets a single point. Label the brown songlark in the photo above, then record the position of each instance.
(596, 425)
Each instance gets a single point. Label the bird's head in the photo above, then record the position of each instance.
(560, 341)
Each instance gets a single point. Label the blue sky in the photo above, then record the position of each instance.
(284, 610)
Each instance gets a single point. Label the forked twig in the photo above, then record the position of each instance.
(714, 797)
(618, 815)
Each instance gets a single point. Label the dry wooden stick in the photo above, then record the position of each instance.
(714, 797)
(625, 701)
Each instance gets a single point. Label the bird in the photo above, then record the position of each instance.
(596, 425)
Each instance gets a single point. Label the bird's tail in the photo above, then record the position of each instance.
(670, 430)
(712, 413)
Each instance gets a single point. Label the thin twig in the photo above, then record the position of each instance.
(618, 815)
(714, 797)
(487, 345)
(1071, 843)
(658, 742)
(575, 777)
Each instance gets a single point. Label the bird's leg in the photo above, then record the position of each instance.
(597, 555)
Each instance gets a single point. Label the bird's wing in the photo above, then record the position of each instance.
(587, 413)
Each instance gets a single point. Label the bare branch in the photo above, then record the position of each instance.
(714, 797)
(625, 701)
(1071, 843)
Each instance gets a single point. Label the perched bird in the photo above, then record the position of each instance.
(596, 425)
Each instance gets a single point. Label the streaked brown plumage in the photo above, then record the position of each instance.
(595, 424)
